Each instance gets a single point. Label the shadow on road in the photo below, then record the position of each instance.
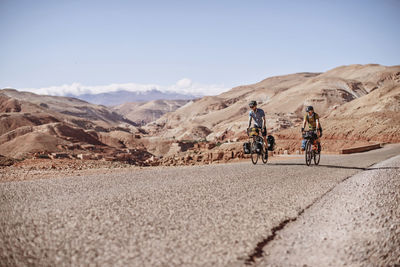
(337, 167)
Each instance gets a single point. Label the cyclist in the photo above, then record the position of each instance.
(258, 116)
(312, 119)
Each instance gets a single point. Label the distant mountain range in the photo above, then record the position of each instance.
(123, 96)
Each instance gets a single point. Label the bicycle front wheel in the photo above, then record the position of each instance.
(317, 157)
(264, 155)
(308, 153)
(254, 154)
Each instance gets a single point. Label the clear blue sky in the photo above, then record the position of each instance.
(229, 43)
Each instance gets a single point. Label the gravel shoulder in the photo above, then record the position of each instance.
(212, 215)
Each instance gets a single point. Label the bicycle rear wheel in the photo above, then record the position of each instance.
(317, 157)
(264, 155)
(308, 153)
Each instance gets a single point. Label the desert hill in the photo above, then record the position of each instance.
(375, 116)
(355, 101)
(32, 124)
(76, 108)
(145, 112)
(372, 116)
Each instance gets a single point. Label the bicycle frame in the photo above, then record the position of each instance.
(311, 148)
(255, 151)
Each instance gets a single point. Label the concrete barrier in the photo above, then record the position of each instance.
(359, 149)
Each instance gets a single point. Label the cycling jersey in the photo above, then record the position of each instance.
(312, 121)
(257, 116)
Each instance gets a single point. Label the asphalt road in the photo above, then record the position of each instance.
(225, 214)
(356, 224)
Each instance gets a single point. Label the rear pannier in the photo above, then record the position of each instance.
(271, 142)
(246, 148)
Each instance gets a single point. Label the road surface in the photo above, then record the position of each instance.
(356, 224)
(213, 215)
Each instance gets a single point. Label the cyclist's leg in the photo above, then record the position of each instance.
(264, 135)
(303, 144)
(265, 146)
(319, 144)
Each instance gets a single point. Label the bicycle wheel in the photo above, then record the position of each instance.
(264, 155)
(317, 157)
(308, 153)
(254, 154)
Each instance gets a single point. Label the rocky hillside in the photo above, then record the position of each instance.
(355, 102)
(47, 126)
(371, 118)
(145, 112)
(73, 107)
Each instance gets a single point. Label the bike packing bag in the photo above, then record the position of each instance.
(254, 131)
(246, 148)
(271, 142)
(310, 135)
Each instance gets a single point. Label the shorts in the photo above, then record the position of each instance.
(264, 131)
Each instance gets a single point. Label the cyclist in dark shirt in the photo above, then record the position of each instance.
(258, 116)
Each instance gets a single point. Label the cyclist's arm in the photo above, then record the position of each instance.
(304, 123)
(265, 123)
(250, 121)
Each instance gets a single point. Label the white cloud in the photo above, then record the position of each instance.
(183, 86)
(184, 83)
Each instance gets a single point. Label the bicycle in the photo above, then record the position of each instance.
(312, 147)
(257, 146)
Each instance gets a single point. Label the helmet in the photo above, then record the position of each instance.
(252, 103)
(309, 108)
